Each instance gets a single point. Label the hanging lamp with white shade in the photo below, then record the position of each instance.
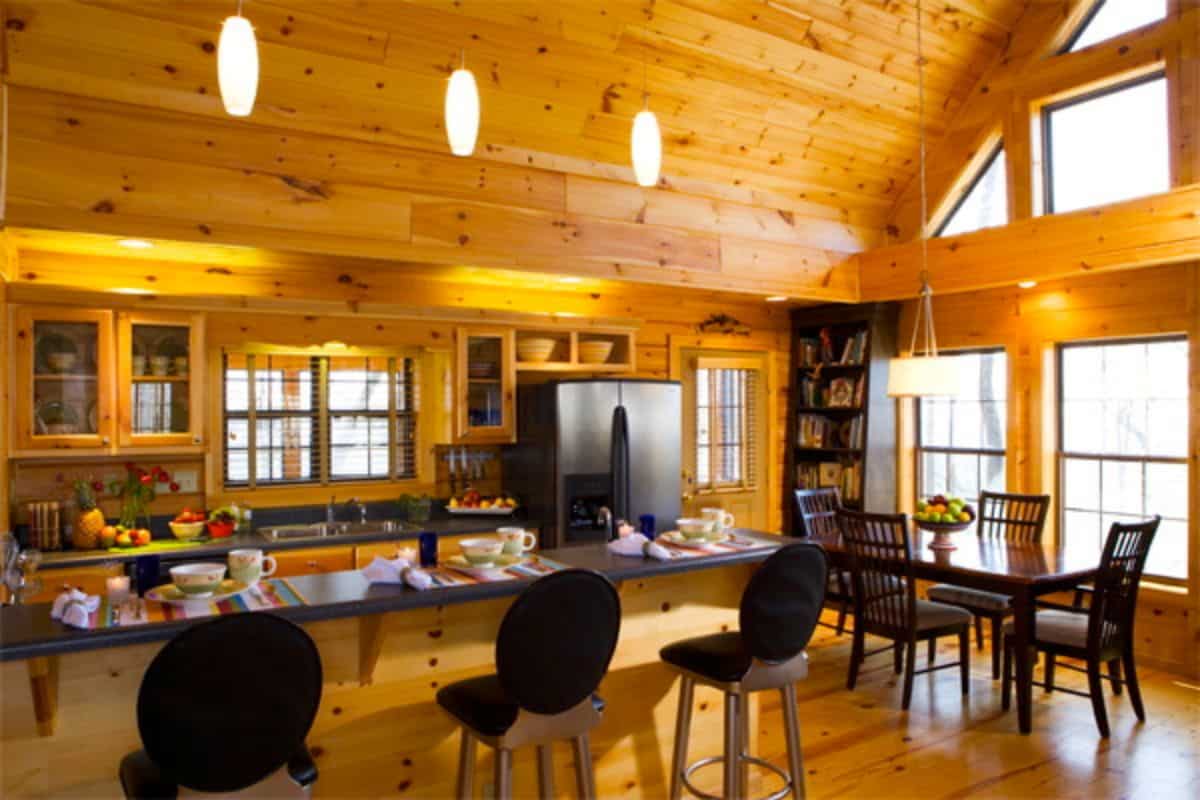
(923, 373)
(462, 110)
(237, 65)
(645, 141)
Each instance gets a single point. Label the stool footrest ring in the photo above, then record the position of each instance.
(758, 762)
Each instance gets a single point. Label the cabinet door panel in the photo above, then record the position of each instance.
(485, 386)
(160, 370)
(313, 561)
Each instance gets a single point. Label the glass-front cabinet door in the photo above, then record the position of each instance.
(486, 386)
(64, 378)
(160, 366)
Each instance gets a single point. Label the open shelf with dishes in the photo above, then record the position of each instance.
(841, 423)
(578, 351)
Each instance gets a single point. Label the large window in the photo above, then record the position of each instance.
(961, 440)
(726, 428)
(318, 419)
(1123, 425)
(1107, 146)
(985, 203)
(1113, 17)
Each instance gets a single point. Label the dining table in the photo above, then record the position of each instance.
(1024, 571)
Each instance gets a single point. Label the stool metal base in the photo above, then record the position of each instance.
(767, 765)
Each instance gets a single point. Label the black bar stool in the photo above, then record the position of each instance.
(779, 611)
(225, 706)
(553, 649)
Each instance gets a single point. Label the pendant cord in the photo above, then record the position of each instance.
(239, 8)
(925, 302)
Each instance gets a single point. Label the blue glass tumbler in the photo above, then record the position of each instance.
(427, 544)
(647, 525)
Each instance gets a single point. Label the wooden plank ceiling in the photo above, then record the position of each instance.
(790, 129)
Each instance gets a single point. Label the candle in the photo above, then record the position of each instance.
(408, 554)
(118, 589)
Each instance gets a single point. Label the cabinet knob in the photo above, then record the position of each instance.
(104, 441)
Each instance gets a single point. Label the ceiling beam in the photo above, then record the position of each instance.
(1160, 229)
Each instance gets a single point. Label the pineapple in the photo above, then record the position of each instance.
(89, 522)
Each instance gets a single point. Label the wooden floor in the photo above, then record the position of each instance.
(861, 745)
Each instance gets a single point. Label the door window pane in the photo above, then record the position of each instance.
(1108, 147)
(726, 450)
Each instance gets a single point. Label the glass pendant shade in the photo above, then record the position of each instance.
(462, 112)
(237, 66)
(646, 148)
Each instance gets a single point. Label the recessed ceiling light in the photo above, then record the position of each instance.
(130, 290)
(777, 298)
(1027, 284)
(135, 244)
(570, 279)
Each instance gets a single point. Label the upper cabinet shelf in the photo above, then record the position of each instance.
(592, 351)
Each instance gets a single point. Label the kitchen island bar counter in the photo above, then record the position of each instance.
(29, 632)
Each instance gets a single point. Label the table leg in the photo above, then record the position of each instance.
(1023, 632)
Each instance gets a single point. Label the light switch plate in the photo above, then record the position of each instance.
(188, 480)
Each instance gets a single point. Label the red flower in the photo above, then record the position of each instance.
(163, 477)
(146, 479)
(129, 466)
(98, 486)
(174, 486)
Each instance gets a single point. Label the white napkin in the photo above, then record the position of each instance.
(636, 545)
(397, 570)
(74, 608)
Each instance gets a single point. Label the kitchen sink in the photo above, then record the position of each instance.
(322, 530)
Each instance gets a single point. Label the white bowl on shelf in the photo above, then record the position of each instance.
(595, 352)
(535, 350)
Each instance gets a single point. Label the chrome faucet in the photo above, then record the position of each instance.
(330, 513)
(605, 517)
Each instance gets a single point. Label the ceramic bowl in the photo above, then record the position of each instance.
(61, 362)
(694, 528)
(198, 580)
(481, 551)
(596, 352)
(187, 530)
(536, 350)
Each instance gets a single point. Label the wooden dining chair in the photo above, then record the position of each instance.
(1017, 518)
(885, 599)
(1101, 635)
(816, 515)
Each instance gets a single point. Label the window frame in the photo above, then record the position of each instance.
(1048, 110)
(979, 453)
(750, 449)
(1086, 22)
(1062, 455)
(322, 415)
(984, 166)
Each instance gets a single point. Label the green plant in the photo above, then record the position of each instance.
(416, 508)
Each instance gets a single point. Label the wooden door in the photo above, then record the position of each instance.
(725, 443)
(160, 379)
(485, 396)
(65, 379)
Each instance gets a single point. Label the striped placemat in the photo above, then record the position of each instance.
(268, 594)
(535, 567)
(734, 544)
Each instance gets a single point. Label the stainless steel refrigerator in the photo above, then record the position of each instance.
(583, 445)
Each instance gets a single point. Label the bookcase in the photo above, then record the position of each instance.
(841, 423)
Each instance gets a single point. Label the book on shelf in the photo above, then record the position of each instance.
(843, 392)
(855, 348)
(850, 434)
(829, 473)
(808, 476)
(808, 352)
(850, 484)
(816, 431)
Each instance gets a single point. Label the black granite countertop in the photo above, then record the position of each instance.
(28, 631)
(219, 547)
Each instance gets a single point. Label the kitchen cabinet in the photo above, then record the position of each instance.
(65, 376)
(313, 561)
(160, 383)
(90, 579)
(485, 386)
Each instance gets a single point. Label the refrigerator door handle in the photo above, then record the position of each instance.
(620, 463)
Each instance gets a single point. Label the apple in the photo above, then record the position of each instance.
(124, 539)
(140, 537)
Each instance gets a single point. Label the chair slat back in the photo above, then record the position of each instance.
(1014, 517)
(880, 557)
(1110, 622)
(817, 511)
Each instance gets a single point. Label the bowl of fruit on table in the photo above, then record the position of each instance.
(942, 516)
(472, 502)
(188, 524)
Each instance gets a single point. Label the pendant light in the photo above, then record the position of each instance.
(645, 144)
(923, 373)
(462, 110)
(237, 65)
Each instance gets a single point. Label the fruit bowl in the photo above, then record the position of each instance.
(943, 516)
(187, 530)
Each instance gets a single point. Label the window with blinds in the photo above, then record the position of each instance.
(318, 419)
(726, 428)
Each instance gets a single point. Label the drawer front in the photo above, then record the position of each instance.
(315, 561)
(89, 579)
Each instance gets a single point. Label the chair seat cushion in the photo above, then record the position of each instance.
(940, 615)
(719, 657)
(973, 598)
(1058, 627)
(142, 778)
(481, 704)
